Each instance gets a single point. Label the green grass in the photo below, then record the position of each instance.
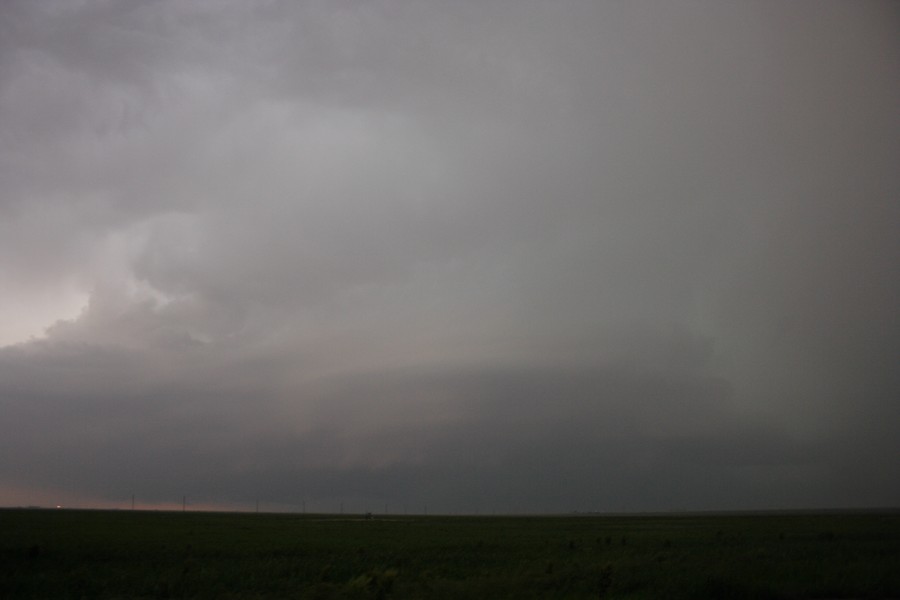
(123, 554)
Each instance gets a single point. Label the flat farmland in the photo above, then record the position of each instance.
(137, 554)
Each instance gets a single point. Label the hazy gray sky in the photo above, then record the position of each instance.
(480, 256)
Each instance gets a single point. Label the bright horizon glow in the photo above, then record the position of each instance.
(27, 316)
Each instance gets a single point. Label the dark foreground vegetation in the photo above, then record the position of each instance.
(109, 554)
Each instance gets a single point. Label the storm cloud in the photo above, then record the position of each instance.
(475, 256)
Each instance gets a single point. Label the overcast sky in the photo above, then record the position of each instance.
(508, 255)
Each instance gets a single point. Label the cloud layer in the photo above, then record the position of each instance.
(500, 256)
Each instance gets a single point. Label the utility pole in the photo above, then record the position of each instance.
(184, 504)
(132, 502)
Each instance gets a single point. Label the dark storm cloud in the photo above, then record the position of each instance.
(513, 256)
(459, 439)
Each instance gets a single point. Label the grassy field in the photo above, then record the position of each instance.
(124, 554)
